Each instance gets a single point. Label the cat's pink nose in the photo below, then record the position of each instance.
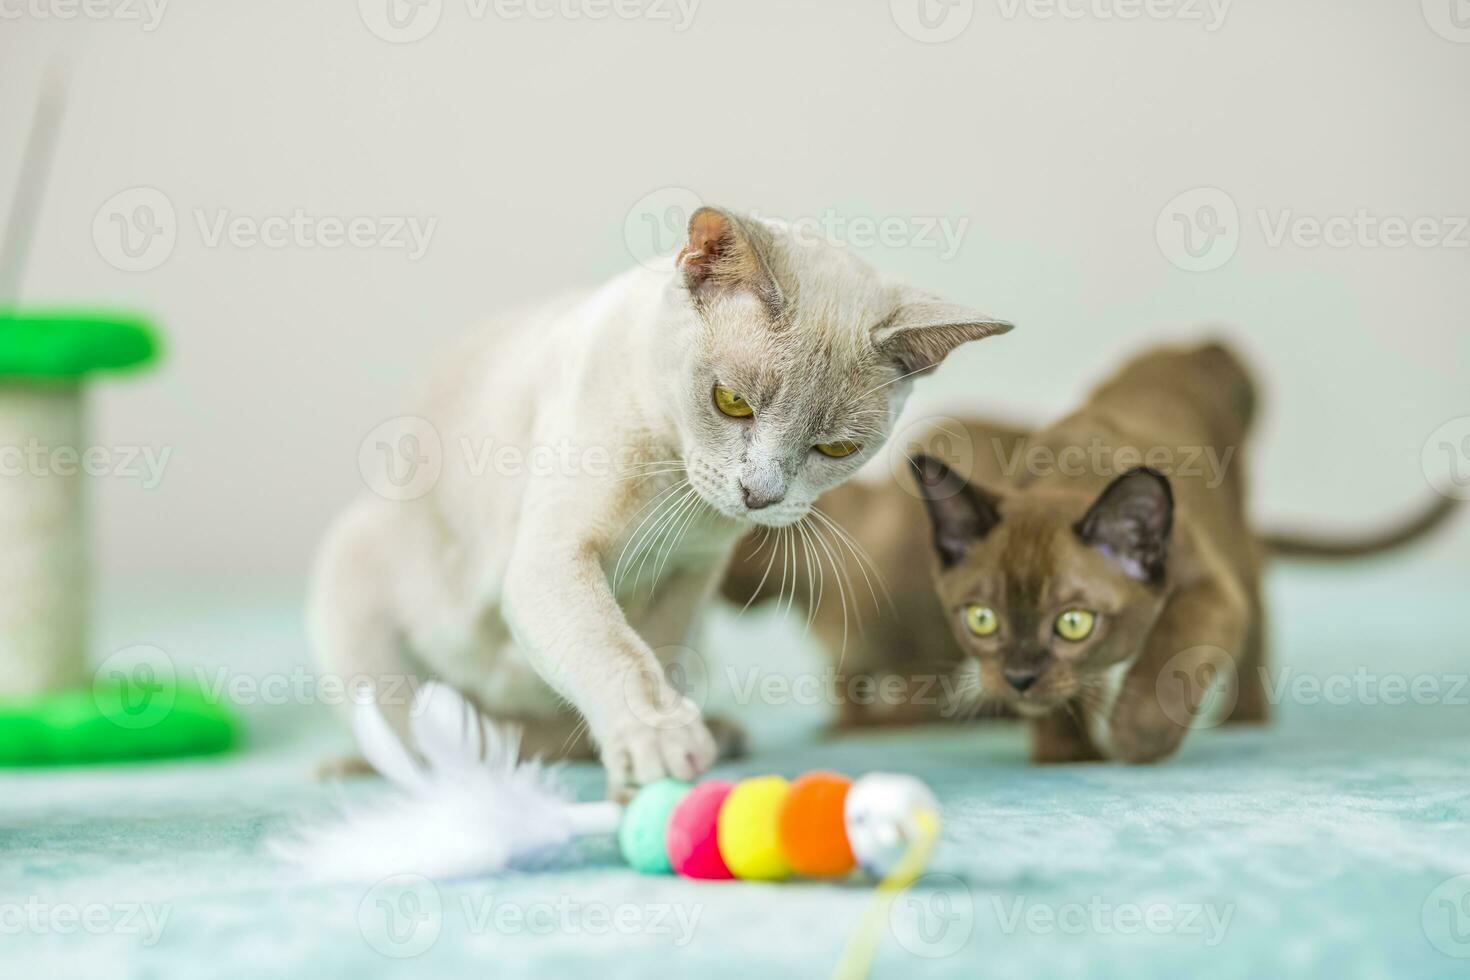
(756, 499)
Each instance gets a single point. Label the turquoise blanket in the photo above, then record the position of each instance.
(1335, 842)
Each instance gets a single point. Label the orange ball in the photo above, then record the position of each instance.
(811, 826)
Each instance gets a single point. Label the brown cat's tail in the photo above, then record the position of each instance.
(1300, 546)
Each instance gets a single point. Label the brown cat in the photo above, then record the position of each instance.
(1109, 603)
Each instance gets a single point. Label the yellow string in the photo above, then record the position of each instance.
(862, 948)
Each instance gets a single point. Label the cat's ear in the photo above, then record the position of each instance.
(725, 254)
(923, 331)
(961, 513)
(1131, 521)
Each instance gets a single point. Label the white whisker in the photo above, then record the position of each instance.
(628, 546)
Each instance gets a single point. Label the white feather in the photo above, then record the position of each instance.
(469, 809)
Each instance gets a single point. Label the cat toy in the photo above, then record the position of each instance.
(467, 806)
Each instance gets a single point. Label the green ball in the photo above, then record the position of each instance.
(641, 834)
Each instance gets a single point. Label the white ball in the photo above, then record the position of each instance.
(881, 816)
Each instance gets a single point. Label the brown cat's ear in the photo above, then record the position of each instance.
(960, 512)
(724, 254)
(1131, 521)
(923, 331)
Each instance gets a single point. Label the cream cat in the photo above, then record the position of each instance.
(685, 405)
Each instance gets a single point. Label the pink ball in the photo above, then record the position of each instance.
(694, 848)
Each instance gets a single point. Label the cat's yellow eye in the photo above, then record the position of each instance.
(732, 404)
(837, 449)
(981, 620)
(1076, 625)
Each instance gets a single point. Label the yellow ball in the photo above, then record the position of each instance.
(749, 831)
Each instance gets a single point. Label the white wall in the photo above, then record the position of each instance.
(1059, 140)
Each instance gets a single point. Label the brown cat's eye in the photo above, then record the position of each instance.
(837, 449)
(981, 620)
(732, 404)
(1076, 625)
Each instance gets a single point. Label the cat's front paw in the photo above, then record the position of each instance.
(637, 752)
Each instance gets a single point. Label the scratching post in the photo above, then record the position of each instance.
(45, 360)
(43, 562)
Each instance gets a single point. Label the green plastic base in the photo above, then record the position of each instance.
(66, 345)
(117, 721)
